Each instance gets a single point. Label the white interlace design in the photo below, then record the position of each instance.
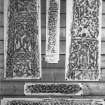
(83, 40)
(52, 30)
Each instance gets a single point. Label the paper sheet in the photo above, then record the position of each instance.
(52, 30)
(83, 40)
(22, 39)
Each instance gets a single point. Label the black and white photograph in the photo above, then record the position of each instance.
(52, 52)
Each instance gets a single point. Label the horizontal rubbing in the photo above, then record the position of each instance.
(16, 88)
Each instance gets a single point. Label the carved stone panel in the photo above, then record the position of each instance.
(51, 101)
(53, 89)
(83, 40)
(22, 30)
(52, 30)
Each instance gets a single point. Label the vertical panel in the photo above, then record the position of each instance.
(22, 39)
(83, 36)
(52, 30)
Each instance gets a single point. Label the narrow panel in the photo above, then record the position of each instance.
(51, 101)
(22, 40)
(52, 30)
(83, 40)
(52, 89)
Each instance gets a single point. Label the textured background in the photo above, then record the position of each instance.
(51, 72)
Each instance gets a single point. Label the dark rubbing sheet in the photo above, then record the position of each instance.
(53, 89)
(22, 39)
(51, 101)
(83, 58)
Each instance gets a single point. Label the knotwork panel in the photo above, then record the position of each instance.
(83, 40)
(53, 89)
(52, 30)
(51, 101)
(22, 45)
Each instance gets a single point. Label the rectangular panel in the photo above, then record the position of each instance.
(52, 30)
(52, 89)
(83, 40)
(51, 101)
(22, 39)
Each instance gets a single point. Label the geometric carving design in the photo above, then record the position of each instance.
(83, 46)
(51, 101)
(22, 39)
(52, 30)
(52, 89)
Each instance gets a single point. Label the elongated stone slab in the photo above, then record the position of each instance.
(51, 101)
(83, 40)
(52, 30)
(22, 39)
(53, 89)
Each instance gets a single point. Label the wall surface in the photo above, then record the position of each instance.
(51, 72)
